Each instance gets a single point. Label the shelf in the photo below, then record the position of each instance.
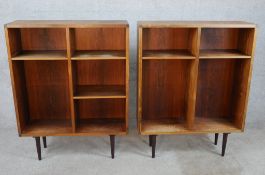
(101, 126)
(167, 54)
(163, 126)
(105, 91)
(41, 55)
(222, 53)
(48, 128)
(99, 55)
(212, 125)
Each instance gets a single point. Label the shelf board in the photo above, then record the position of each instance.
(99, 55)
(167, 54)
(41, 55)
(99, 91)
(228, 53)
(48, 128)
(101, 127)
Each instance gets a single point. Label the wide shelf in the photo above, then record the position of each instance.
(222, 53)
(167, 54)
(99, 91)
(41, 55)
(99, 55)
(47, 128)
(101, 126)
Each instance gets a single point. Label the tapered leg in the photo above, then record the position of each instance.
(44, 142)
(153, 141)
(37, 139)
(112, 145)
(216, 138)
(225, 135)
(150, 140)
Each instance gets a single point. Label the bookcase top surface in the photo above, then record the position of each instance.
(66, 23)
(195, 24)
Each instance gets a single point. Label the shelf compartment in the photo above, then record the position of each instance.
(162, 126)
(48, 128)
(98, 55)
(37, 43)
(167, 54)
(41, 91)
(222, 91)
(226, 43)
(98, 91)
(223, 54)
(41, 55)
(100, 116)
(169, 43)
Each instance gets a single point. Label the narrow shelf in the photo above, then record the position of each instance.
(47, 128)
(41, 55)
(222, 53)
(163, 126)
(101, 126)
(98, 55)
(167, 54)
(99, 91)
(211, 125)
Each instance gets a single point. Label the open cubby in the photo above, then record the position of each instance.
(226, 43)
(99, 79)
(169, 43)
(98, 43)
(38, 43)
(42, 94)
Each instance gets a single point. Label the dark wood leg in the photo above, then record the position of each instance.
(225, 135)
(216, 138)
(150, 141)
(153, 141)
(44, 142)
(112, 145)
(37, 139)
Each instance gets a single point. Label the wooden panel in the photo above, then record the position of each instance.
(41, 55)
(167, 54)
(48, 89)
(98, 55)
(43, 39)
(222, 53)
(14, 40)
(164, 88)
(100, 39)
(101, 108)
(100, 72)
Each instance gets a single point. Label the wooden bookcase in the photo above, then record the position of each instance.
(193, 77)
(69, 78)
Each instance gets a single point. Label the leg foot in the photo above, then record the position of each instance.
(112, 145)
(216, 138)
(37, 139)
(150, 140)
(153, 141)
(225, 135)
(44, 142)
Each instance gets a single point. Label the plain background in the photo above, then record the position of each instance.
(134, 10)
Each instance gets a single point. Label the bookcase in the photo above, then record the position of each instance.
(69, 78)
(193, 77)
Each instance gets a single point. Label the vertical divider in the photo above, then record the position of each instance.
(71, 91)
(139, 89)
(127, 43)
(192, 83)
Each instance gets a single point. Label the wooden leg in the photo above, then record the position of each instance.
(216, 138)
(225, 135)
(37, 139)
(150, 141)
(153, 141)
(44, 142)
(112, 145)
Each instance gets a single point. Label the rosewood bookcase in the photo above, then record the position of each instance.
(193, 77)
(69, 78)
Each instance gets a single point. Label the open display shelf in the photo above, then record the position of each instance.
(69, 78)
(193, 77)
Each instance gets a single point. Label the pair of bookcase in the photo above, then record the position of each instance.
(71, 78)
